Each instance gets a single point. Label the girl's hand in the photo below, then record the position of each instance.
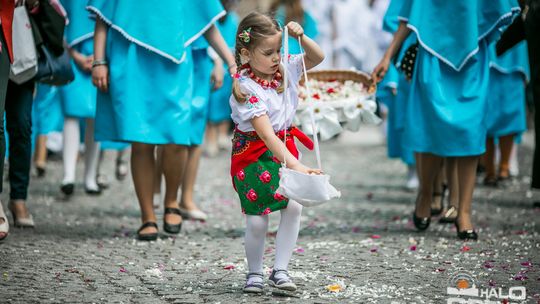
(380, 70)
(217, 76)
(307, 170)
(100, 77)
(295, 29)
(84, 62)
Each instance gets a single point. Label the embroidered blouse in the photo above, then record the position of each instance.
(261, 101)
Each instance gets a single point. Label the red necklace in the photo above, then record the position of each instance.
(274, 83)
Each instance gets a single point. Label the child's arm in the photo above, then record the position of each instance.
(217, 73)
(100, 73)
(313, 53)
(401, 34)
(214, 37)
(264, 129)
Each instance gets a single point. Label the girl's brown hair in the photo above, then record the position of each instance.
(259, 26)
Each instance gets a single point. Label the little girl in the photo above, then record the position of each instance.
(259, 115)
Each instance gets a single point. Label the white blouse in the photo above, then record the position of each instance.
(261, 101)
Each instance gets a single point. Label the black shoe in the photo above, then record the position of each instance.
(92, 192)
(491, 182)
(147, 236)
(170, 228)
(467, 234)
(68, 188)
(40, 171)
(421, 223)
(536, 204)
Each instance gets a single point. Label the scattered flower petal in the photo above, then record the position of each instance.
(229, 267)
(334, 288)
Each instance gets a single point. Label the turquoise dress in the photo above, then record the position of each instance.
(46, 110)
(79, 97)
(447, 102)
(309, 25)
(396, 104)
(219, 109)
(506, 98)
(150, 68)
(201, 90)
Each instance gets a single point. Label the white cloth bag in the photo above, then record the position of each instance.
(24, 66)
(307, 189)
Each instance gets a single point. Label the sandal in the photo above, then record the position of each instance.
(449, 216)
(121, 169)
(254, 287)
(172, 228)
(147, 236)
(284, 283)
(20, 222)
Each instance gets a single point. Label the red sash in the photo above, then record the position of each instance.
(248, 147)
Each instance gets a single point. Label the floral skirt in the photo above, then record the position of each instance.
(256, 186)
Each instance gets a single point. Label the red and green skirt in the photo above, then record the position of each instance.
(255, 171)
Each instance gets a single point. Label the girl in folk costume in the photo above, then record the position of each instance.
(447, 102)
(258, 113)
(143, 68)
(79, 100)
(219, 112)
(509, 74)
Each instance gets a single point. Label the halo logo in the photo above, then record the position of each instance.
(463, 290)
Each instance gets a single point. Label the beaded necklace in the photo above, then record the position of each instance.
(274, 83)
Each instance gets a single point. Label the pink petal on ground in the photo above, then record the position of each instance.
(465, 248)
(300, 250)
(440, 270)
(413, 248)
(374, 249)
(122, 269)
(375, 236)
(229, 267)
(526, 264)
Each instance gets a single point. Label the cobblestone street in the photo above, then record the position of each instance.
(362, 248)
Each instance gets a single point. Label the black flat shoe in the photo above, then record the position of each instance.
(172, 228)
(67, 189)
(421, 223)
(92, 192)
(147, 236)
(40, 171)
(467, 234)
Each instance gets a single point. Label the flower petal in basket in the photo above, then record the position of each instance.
(326, 121)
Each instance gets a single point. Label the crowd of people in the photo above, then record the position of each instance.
(159, 79)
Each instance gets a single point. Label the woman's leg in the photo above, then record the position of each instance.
(40, 155)
(429, 167)
(211, 141)
(71, 149)
(506, 144)
(438, 191)
(489, 162)
(453, 181)
(188, 182)
(174, 162)
(466, 167)
(224, 139)
(158, 174)
(287, 235)
(142, 162)
(91, 157)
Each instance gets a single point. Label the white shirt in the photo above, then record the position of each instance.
(261, 101)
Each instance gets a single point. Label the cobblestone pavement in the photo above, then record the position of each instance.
(362, 248)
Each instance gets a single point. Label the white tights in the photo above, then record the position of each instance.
(256, 228)
(71, 150)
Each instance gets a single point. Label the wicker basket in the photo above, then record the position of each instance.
(342, 76)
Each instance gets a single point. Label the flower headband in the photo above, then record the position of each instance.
(245, 35)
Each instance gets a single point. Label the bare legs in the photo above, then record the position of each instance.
(188, 183)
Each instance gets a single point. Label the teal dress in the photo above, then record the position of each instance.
(46, 110)
(201, 90)
(310, 29)
(219, 109)
(506, 98)
(79, 97)
(150, 68)
(447, 103)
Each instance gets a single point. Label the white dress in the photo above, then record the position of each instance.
(261, 101)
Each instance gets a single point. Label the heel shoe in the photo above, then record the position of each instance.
(467, 234)
(196, 214)
(172, 228)
(21, 222)
(421, 223)
(147, 236)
